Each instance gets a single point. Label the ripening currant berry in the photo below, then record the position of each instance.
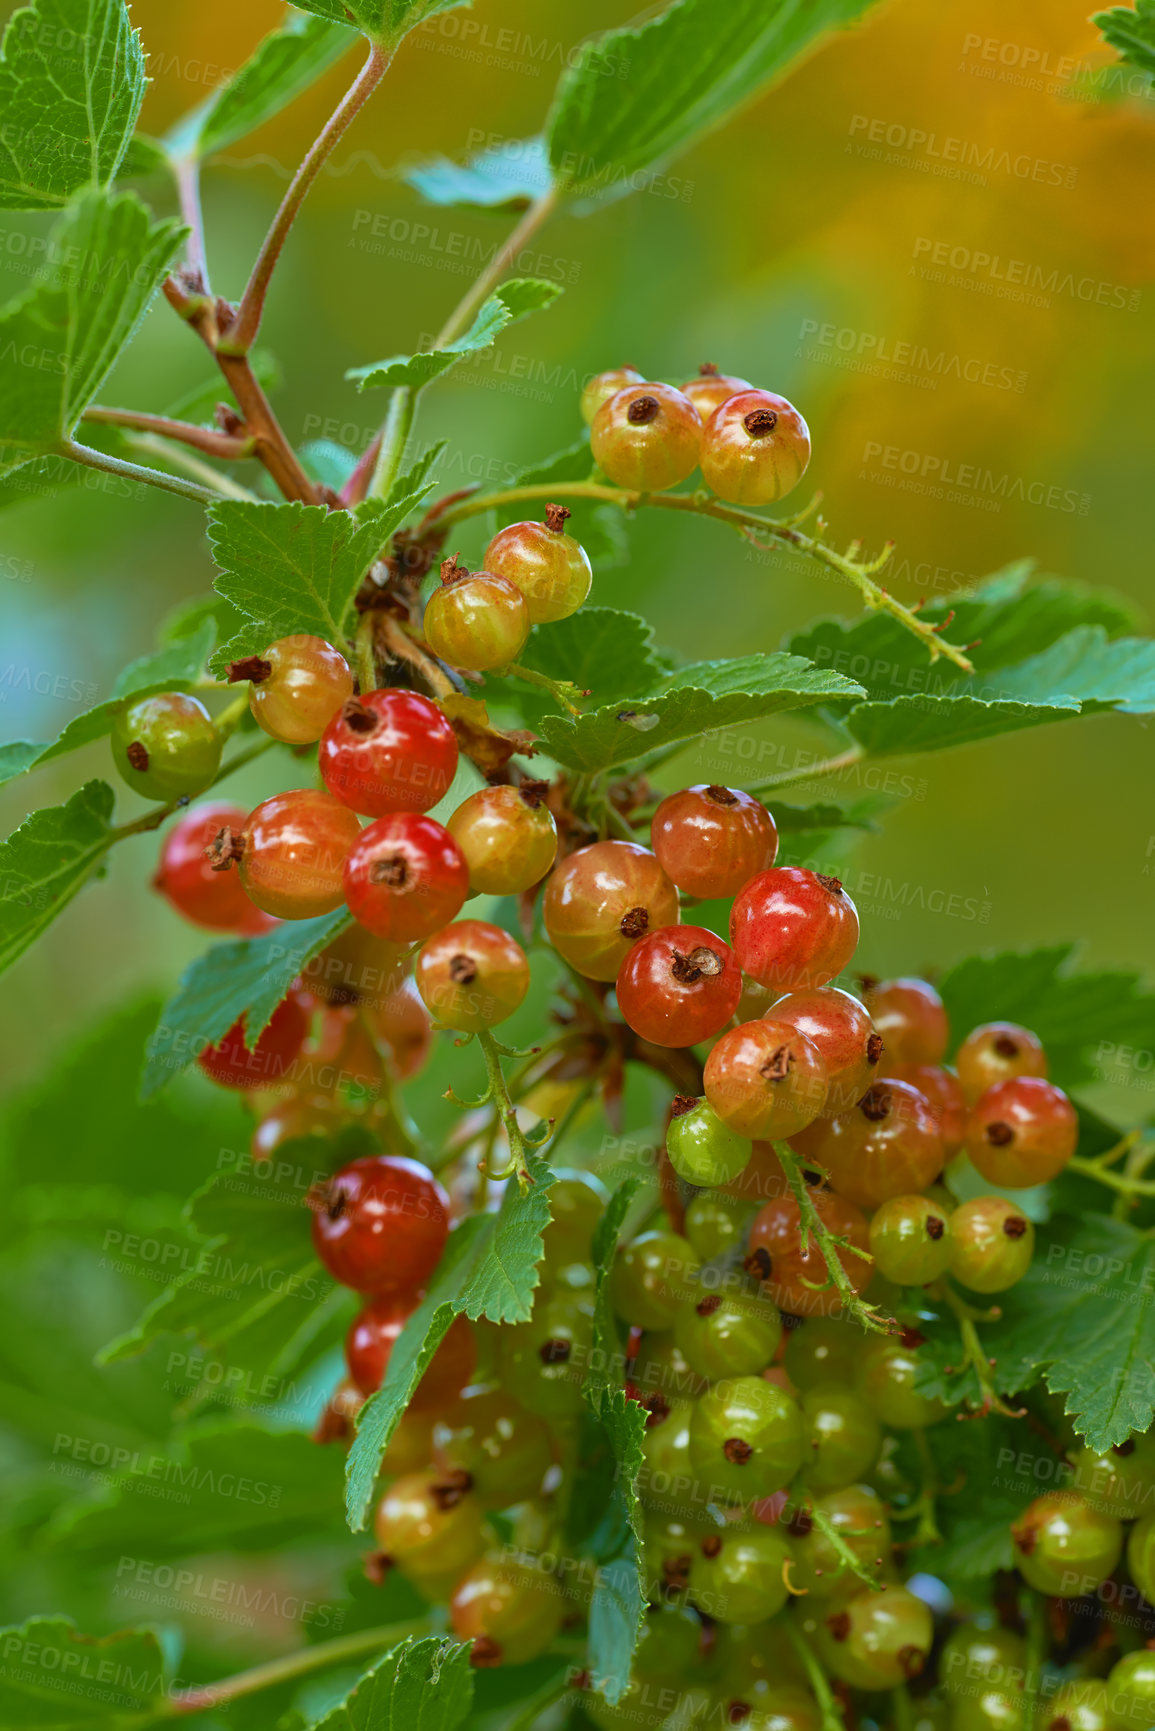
(741, 1577)
(701, 1149)
(187, 881)
(401, 1029)
(373, 1335)
(471, 975)
(380, 1224)
(647, 437)
(793, 929)
(822, 1353)
(886, 1375)
(476, 619)
(910, 1240)
(296, 688)
(858, 1516)
(755, 449)
(291, 1121)
(543, 1362)
(508, 836)
(980, 1652)
(710, 840)
(166, 747)
(992, 1244)
(405, 878)
(845, 1438)
(720, 1337)
(678, 985)
(232, 1065)
(994, 1052)
(1084, 1705)
(911, 1017)
(603, 386)
(551, 569)
(508, 1609)
(711, 389)
(1131, 1690)
(1022, 1132)
(1141, 1555)
(506, 1450)
(888, 1145)
(388, 751)
(880, 1640)
(601, 900)
(747, 1439)
(765, 1080)
(940, 1088)
(291, 855)
(1064, 1547)
(429, 1525)
(791, 1268)
(714, 1221)
(843, 1032)
(652, 1278)
(762, 1180)
(1120, 1481)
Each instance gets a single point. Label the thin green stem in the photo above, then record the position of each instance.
(812, 1226)
(812, 772)
(903, 1709)
(136, 472)
(187, 174)
(832, 1719)
(1038, 1641)
(838, 1543)
(538, 212)
(1124, 1182)
(557, 688)
(973, 1353)
(192, 465)
(394, 438)
(922, 1509)
(290, 1666)
(498, 1092)
(363, 644)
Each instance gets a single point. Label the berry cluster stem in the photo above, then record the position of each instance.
(812, 1227)
(1129, 1182)
(208, 1696)
(973, 1355)
(832, 1719)
(831, 1533)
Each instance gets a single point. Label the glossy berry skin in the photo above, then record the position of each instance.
(508, 838)
(1119, 1482)
(762, 1180)
(912, 1019)
(380, 1224)
(187, 881)
(551, 569)
(543, 1362)
(1084, 1705)
(711, 389)
(652, 1278)
(295, 846)
(508, 1608)
(980, 1653)
(667, 1481)
(885, 1377)
(471, 975)
(166, 747)
(739, 1578)
(405, 878)
(401, 1030)
(715, 1223)
(1022, 1132)
(845, 1438)
(940, 1088)
(678, 985)
(842, 1031)
(230, 1065)
(994, 1052)
(292, 1120)
(429, 1525)
(603, 386)
(505, 1450)
(794, 1273)
(373, 1335)
(888, 1145)
(388, 751)
(577, 1201)
(710, 840)
(822, 1352)
(755, 449)
(793, 929)
(765, 1080)
(1131, 1691)
(881, 1639)
(747, 1439)
(858, 1515)
(298, 685)
(601, 900)
(476, 619)
(647, 438)
(701, 1148)
(1064, 1547)
(910, 1240)
(992, 1244)
(723, 1337)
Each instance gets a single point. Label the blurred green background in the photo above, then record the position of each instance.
(772, 229)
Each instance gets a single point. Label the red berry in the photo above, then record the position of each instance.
(371, 1340)
(187, 881)
(678, 985)
(711, 389)
(472, 975)
(647, 438)
(298, 685)
(912, 1019)
(711, 840)
(292, 853)
(601, 900)
(843, 1032)
(793, 929)
(765, 1080)
(508, 836)
(476, 619)
(755, 449)
(388, 751)
(603, 386)
(888, 1145)
(1022, 1132)
(550, 568)
(272, 1058)
(792, 1267)
(940, 1088)
(405, 878)
(380, 1224)
(994, 1052)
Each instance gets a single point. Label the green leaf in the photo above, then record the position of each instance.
(982, 1495)
(801, 819)
(71, 85)
(383, 21)
(698, 699)
(424, 1685)
(55, 1679)
(282, 66)
(59, 340)
(608, 653)
(1131, 32)
(174, 668)
(489, 1269)
(512, 301)
(245, 977)
(46, 861)
(636, 97)
(295, 568)
(503, 180)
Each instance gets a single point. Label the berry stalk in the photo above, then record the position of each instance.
(813, 1228)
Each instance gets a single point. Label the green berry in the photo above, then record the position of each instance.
(979, 1653)
(577, 1201)
(1141, 1557)
(1084, 1705)
(740, 1576)
(880, 1639)
(1064, 1547)
(858, 1515)
(747, 1440)
(822, 1350)
(885, 1378)
(1120, 1481)
(544, 1361)
(716, 1223)
(166, 747)
(1131, 1691)
(845, 1438)
(652, 1278)
(910, 1240)
(721, 1337)
(701, 1148)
